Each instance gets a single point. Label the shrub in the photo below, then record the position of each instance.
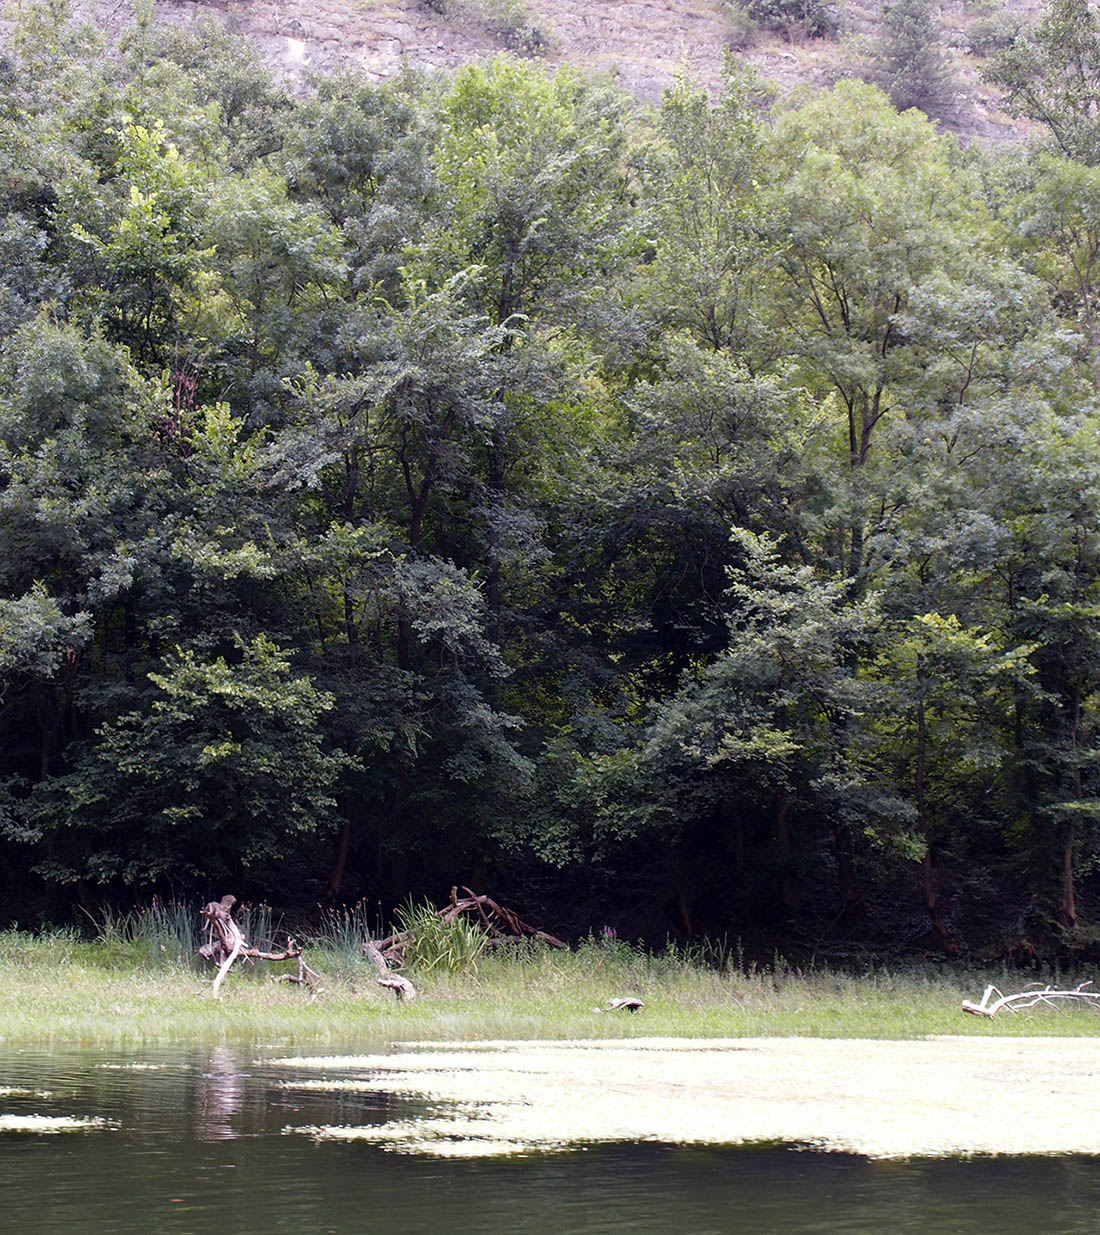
(741, 30)
(510, 21)
(807, 19)
(990, 35)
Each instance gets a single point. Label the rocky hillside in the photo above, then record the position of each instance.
(641, 43)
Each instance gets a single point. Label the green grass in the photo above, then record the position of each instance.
(120, 991)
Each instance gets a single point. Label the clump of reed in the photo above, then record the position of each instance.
(432, 944)
(336, 942)
(452, 947)
(162, 933)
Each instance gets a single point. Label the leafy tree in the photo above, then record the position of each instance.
(361, 152)
(531, 170)
(223, 772)
(82, 492)
(760, 741)
(147, 259)
(277, 266)
(1057, 224)
(224, 75)
(708, 214)
(1058, 612)
(853, 258)
(393, 452)
(1052, 76)
(647, 547)
(815, 19)
(82, 463)
(944, 702)
(36, 636)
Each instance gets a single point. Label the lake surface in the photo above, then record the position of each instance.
(196, 1143)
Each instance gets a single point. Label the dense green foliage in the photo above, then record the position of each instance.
(681, 518)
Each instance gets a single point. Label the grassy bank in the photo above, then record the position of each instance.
(118, 991)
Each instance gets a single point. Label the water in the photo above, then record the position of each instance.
(199, 1147)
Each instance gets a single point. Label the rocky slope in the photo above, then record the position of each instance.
(641, 43)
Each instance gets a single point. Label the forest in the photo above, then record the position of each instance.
(678, 521)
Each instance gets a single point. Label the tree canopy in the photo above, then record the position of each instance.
(683, 517)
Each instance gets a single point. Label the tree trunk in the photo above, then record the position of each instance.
(932, 904)
(928, 871)
(339, 862)
(847, 883)
(492, 573)
(1067, 905)
(782, 825)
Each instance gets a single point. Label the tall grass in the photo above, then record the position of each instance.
(166, 933)
(161, 933)
(337, 942)
(139, 982)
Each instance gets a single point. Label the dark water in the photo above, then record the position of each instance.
(199, 1148)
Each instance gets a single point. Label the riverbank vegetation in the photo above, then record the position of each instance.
(678, 518)
(62, 989)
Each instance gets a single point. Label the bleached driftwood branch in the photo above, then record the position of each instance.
(993, 1001)
(226, 942)
(400, 986)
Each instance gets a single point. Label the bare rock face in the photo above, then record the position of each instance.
(640, 44)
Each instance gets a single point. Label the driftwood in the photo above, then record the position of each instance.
(993, 1001)
(500, 924)
(226, 943)
(401, 987)
(629, 1004)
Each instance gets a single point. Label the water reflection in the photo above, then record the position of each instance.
(199, 1145)
(219, 1097)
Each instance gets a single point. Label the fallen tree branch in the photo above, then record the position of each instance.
(492, 914)
(993, 1001)
(226, 943)
(401, 987)
(304, 977)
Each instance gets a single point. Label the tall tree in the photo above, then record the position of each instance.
(852, 258)
(758, 744)
(1056, 226)
(219, 774)
(707, 213)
